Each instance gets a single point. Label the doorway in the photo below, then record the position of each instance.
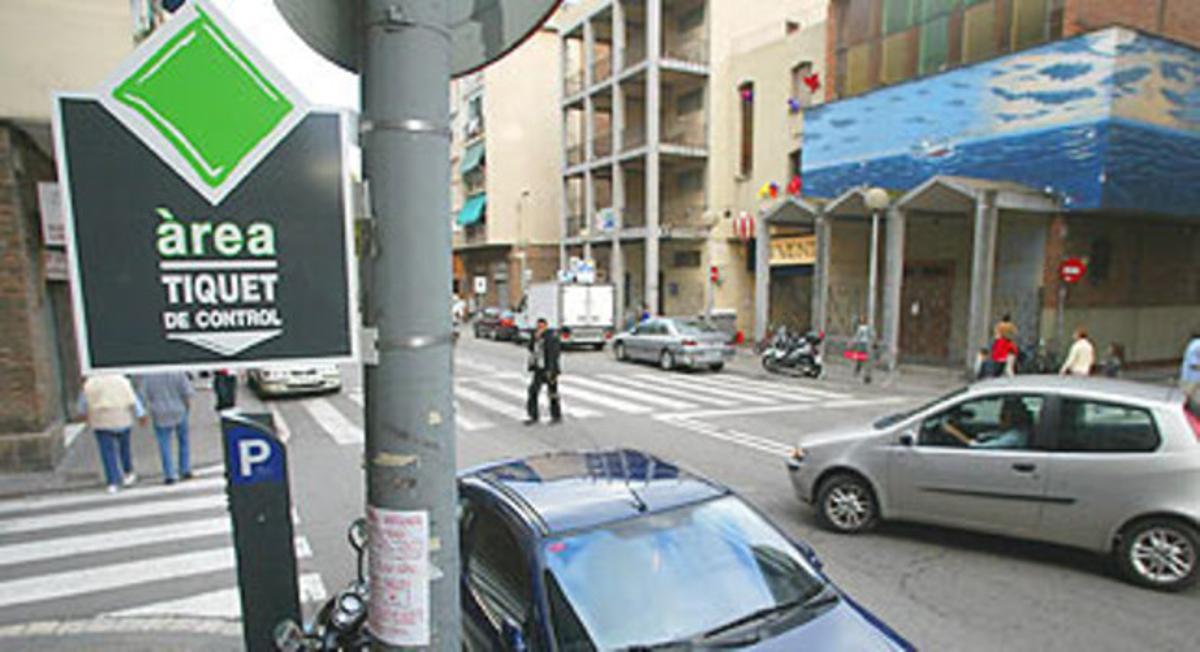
(926, 305)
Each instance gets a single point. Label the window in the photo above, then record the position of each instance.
(1003, 422)
(898, 15)
(979, 32)
(690, 102)
(858, 78)
(795, 163)
(496, 570)
(897, 58)
(689, 181)
(935, 45)
(800, 90)
(746, 98)
(1028, 23)
(1096, 427)
(686, 259)
(692, 19)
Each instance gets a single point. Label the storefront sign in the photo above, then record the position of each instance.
(797, 250)
(207, 209)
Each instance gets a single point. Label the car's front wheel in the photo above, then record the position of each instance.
(619, 352)
(1159, 553)
(666, 361)
(846, 504)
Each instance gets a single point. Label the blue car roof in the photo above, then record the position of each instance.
(574, 490)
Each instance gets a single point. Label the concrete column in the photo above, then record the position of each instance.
(762, 277)
(564, 72)
(824, 233)
(893, 279)
(589, 212)
(653, 129)
(983, 264)
(617, 261)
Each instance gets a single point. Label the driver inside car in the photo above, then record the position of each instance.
(1013, 431)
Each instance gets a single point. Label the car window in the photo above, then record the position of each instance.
(694, 328)
(1001, 422)
(497, 574)
(1094, 426)
(641, 329)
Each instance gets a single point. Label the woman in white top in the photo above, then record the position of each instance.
(1081, 357)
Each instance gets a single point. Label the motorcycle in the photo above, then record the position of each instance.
(341, 623)
(796, 355)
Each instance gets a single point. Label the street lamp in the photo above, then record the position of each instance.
(877, 200)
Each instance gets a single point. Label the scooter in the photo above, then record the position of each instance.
(341, 623)
(796, 355)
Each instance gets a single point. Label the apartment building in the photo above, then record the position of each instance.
(45, 45)
(648, 105)
(1010, 135)
(504, 190)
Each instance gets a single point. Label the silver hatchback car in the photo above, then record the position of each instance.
(1106, 465)
(675, 343)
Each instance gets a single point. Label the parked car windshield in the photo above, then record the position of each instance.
(893, 419)
(694, 328)
(670, 575)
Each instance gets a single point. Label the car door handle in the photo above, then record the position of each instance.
(1023, 467)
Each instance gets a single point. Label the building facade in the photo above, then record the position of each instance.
(45, 45)
(504, 189)
(651, 106)
(1008, 162)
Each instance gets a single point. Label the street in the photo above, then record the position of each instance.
(158, 559)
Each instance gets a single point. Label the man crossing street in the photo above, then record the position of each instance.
(544, 351)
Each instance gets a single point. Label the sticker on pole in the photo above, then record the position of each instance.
(399, 572)
(207, 209)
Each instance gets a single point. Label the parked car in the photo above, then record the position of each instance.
(294, 380)
(1105, 465)
(619, 550)
(496, 324)
(673, 343)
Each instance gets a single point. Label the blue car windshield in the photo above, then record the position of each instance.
(670, 575)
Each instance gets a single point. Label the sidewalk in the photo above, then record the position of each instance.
(80, 465)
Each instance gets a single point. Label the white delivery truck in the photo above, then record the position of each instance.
(583, 313)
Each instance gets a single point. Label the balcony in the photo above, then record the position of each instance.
(634, 56)
(633, 138)
(689, 216)
(602, 146)
(575, 224)
(573, 84)
(691, 51)
(693, 136)
(602, 68)
(476, 234)
(575, 154)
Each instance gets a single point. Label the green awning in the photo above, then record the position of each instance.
(472, 211)
(472, 158)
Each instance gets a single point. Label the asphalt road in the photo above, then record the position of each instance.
(942, 589)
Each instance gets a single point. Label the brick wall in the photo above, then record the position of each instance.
(30, 384)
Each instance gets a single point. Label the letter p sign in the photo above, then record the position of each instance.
(253, 455)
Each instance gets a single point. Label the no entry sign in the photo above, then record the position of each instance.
(207, 209)
(1072, 270)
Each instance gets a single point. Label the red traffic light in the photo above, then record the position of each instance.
(714, 274)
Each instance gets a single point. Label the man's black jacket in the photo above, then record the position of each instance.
(553, 349)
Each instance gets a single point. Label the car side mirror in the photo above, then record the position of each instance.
(907, 439)
(512, 637)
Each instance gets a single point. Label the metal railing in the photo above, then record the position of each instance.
(693, 50)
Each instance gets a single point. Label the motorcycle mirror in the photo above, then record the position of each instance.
(288, 636)
(358, 534)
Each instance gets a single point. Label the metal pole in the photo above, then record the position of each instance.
(871, 291)
(410, 456)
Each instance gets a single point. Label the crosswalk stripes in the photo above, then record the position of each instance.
(504, 408)
(464, 422)
(664, 390)
(646, 397)
(91, 543)
(519, 394)
(745, 387)
(332, 421)
(690, 385)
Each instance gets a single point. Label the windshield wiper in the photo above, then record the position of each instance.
(823, 596)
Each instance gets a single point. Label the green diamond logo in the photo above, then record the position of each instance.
(204, 100)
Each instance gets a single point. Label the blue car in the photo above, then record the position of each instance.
(620, 550)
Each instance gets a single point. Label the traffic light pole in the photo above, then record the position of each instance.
(410, 450)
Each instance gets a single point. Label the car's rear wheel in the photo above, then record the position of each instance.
(666, 360)
(619, 352)
(1159, 553)
(846, 504)
(717, 366)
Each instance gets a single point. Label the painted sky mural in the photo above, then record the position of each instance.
(1106, 120)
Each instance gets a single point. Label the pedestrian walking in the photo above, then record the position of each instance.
(168, 396)
(1002, 360)
(1080, 357)
(225, 387)
(110, 406)
(1189, 369)
(1114, 361)
(544, 350)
